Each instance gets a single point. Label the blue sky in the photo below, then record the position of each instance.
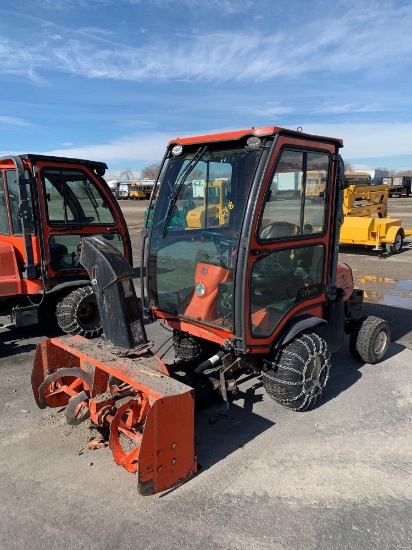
(114, 80)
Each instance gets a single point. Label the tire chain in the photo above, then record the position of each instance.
(316, 385)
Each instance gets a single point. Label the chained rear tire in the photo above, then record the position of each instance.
(296, 374)
(370, 339)
(78, 313)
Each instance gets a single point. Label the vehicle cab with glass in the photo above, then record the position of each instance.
(47, 205)
(238, 255)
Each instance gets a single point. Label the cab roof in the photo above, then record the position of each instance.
(33, 158)
(259, 132)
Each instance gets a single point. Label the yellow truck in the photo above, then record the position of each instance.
(215, 206)
(366, 221)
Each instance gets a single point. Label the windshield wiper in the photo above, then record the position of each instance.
(175, 196)
(87, 189)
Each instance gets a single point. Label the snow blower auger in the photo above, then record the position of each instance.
(119, 382)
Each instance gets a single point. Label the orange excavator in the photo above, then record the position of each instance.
(262, 293)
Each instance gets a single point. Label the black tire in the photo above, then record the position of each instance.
(296, 374)
(78, 313)
(396, 246)
(370, 339)
(190, 348)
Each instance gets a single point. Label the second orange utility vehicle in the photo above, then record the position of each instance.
(47, 204)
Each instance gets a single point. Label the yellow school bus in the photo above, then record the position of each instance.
(141, 189)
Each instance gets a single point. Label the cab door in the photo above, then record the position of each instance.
(17, 223)
(75, 205)
(291, 241)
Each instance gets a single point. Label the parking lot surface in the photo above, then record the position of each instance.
(336, 477)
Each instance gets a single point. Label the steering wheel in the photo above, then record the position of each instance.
(218, 237)
(279, 229)
(221, 240)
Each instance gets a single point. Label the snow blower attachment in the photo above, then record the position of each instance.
(151, 416)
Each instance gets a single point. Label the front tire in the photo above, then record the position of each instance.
(370, 339)
(396, 246)
(296, 374)
(78, 313)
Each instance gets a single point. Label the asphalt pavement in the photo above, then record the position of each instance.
(336, 477)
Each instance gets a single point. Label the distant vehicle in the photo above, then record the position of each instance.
(141, 189)
(113, 185)
(376, 176)
(399, 186)
(366, 221)
(123, 192)
(358, 178)
(215, 207)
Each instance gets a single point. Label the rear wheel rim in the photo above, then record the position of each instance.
(398, 242)
(380, 344)
(88, 313)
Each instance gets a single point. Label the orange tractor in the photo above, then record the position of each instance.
(260, 293)
(47, 204)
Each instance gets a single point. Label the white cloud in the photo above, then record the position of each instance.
(267, 110)
(350, 108)
(363, 39)
(360, 141)
(147, 147)
(13, 121)
(368, 140)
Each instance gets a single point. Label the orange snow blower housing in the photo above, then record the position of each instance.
(259, 291)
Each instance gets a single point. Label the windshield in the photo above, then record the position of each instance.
(195, 232)
(72, 198)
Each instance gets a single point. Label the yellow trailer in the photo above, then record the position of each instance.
(366, 221)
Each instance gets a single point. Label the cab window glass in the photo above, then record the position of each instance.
(296, 199)
(203, 199)
(282, 279)
(4, 226)
(65, 249)
(316, 187)
(14, 201)
(72, 198)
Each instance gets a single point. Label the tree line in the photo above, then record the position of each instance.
(391, 173)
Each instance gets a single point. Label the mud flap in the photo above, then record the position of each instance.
(157, 423)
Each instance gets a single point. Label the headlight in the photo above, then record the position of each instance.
(177, 150)
(253, 142)
(200, 289)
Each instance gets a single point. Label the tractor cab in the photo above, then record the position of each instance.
(47, 205)
(260, 254)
